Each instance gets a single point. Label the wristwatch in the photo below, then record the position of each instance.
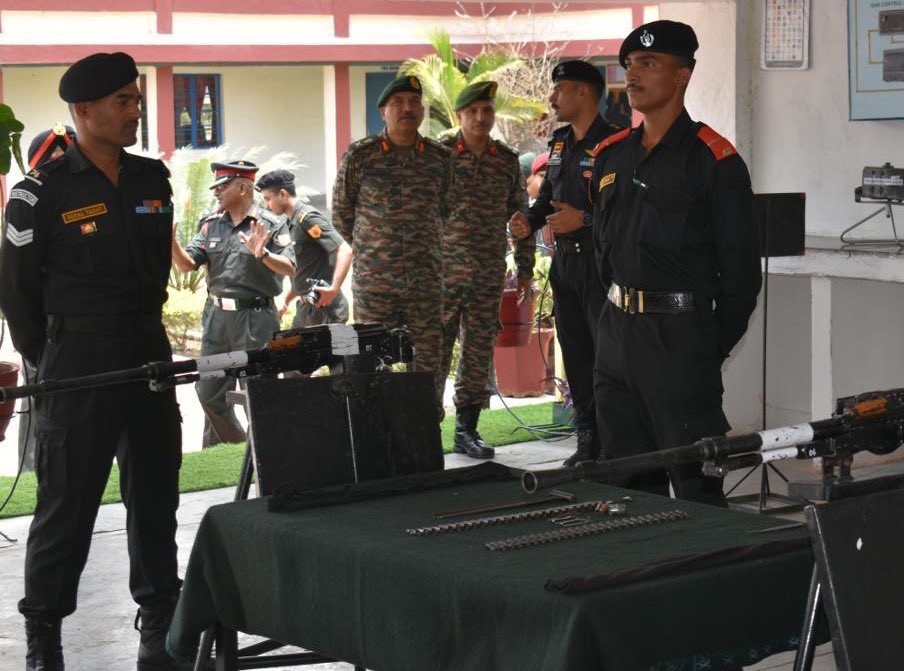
(264, 254)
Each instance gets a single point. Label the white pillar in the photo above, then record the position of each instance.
(329, 129)
(822, 394)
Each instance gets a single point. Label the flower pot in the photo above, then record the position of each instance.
(517, 320)
(9, 376)
(521, 371)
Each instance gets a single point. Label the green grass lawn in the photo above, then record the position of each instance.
(219, 466)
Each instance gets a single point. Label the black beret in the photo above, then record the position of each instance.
(275, 179)
(44, 143)
(223, 172)
(474, 92)
(666, 37)
(579, 71)
(403, 83)
(96, 76)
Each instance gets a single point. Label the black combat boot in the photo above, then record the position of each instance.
(45, 652)
(467, 440)
(588, 449)
(155, 621)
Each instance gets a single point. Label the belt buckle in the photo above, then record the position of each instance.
(632, 301)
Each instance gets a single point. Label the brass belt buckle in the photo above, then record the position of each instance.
(626, 300)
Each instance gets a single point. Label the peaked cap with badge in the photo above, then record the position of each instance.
(223, 172)
(665, 37)
(46, 141)
(475, 92)
(97, 76)
(401, 84)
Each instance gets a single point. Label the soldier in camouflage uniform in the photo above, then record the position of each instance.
(389, 204)
(247, 251)
(486, 188)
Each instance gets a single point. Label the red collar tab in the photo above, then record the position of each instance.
(385, 146)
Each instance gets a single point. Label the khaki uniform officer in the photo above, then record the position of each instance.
(247, 252)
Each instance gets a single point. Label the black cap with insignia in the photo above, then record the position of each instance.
(223, 172)
(474, 92)
(665, 37)
(401, 84)
(275, 179)
(579, 71)
(96, 76)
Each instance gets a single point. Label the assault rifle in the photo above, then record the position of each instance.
(872, 421)
(370, 346)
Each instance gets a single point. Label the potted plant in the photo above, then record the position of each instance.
(527, 368)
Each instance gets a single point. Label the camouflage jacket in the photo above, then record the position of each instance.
(485, 190)
(390, 206)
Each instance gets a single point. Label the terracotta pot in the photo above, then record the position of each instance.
(517, 320)
(521, 371)
(9, 376)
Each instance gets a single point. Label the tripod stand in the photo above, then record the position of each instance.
(886, 209)
(780, 219)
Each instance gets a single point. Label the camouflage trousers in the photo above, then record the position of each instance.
(422, 314)
(471, 315)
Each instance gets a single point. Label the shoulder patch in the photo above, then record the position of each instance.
(609, 141)
(718, 145)
(23, 194)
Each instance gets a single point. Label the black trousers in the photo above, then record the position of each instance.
(78, 434)
(658, 384)
(577, 300)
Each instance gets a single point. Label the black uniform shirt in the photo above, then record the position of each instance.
(232, 270)
(569, 174)
(75, 244)
(316, 243)
(678, 219)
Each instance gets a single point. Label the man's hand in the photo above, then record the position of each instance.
(525, 289)
(520, 226)
(566, 220)
(327, 295)
(256, 242)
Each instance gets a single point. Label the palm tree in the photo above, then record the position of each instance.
(443, 78)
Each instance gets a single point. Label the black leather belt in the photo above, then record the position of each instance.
(119, 323)
(233, 304)
(638, 301)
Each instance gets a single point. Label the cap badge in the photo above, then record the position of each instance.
(493, 88)
(415, 84)
(560, 70)
(646, 39)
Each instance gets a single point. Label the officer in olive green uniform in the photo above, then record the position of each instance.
(322, 257)
(486, 188)
(247, 250)
(389, 204)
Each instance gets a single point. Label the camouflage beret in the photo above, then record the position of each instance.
(401, 84)
(474, 92)
(665, 37)
(96, 76)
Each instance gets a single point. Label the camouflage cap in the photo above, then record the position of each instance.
(474, 92)
(401, 84)
(665, 37)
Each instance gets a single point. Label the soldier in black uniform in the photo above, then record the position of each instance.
(678, 251)
(566, 204)
(247, 253)
(322, 257)
(83, 274)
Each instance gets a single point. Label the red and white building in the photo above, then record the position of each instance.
(294, 75)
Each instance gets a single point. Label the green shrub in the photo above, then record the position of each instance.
(181, 316)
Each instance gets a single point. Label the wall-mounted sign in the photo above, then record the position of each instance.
(876, 59)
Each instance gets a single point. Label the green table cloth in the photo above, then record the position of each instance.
(348, 582)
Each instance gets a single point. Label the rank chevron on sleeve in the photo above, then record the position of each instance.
(17, 237)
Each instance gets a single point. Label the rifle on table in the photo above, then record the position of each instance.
(303, 349)
(872, 421)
